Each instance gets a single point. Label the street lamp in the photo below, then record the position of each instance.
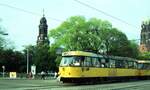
(3, 70)
(27, 59)
(4, 33)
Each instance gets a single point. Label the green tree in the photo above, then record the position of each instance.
(42, 59)
(11, 59)
(41, 56)
(115, 42)
(54, 55)
(133, 49)
(144, 56)
(77, 33)
(70, 28)
(2, 39)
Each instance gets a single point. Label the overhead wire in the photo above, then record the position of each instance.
(107, 14)
(58, 20)
(29, 12)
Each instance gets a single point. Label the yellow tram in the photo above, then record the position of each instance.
(80, 66)
(144, 69)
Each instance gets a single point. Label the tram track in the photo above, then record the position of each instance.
(135, 85)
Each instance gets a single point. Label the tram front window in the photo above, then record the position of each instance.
(71, 61)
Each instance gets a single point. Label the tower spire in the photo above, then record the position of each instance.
(43, 13)
(42, 37)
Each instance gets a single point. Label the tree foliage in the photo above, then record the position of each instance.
(2, 39)
(144, 56)
(12, 60)
(41, 57)
(77, 33)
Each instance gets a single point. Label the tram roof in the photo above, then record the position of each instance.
(80, 53)
(143, 61)
(121, 58)
(83, 53)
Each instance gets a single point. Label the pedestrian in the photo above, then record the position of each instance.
(43, 75)
(30, 75)
(55, 75)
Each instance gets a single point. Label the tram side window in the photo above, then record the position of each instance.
(131, 64)
(87, 62)
(135, 65)
(141, 66)
(66, 61)
(103, 63)
(95, 62)
(117, 64)
(112, 63)
(146, 66)
(126, 64)
(76, 61)
(120, 64)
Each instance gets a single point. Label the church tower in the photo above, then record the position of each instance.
(145, 37)
(42, 37)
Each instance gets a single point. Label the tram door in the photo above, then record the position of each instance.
(86, 64)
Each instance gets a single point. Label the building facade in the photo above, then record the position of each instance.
(42, 37)
(145, 37)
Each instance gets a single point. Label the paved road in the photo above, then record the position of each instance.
(27, 84)
(54, 85)
(136, 85)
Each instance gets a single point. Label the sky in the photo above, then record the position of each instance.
(21, 18)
